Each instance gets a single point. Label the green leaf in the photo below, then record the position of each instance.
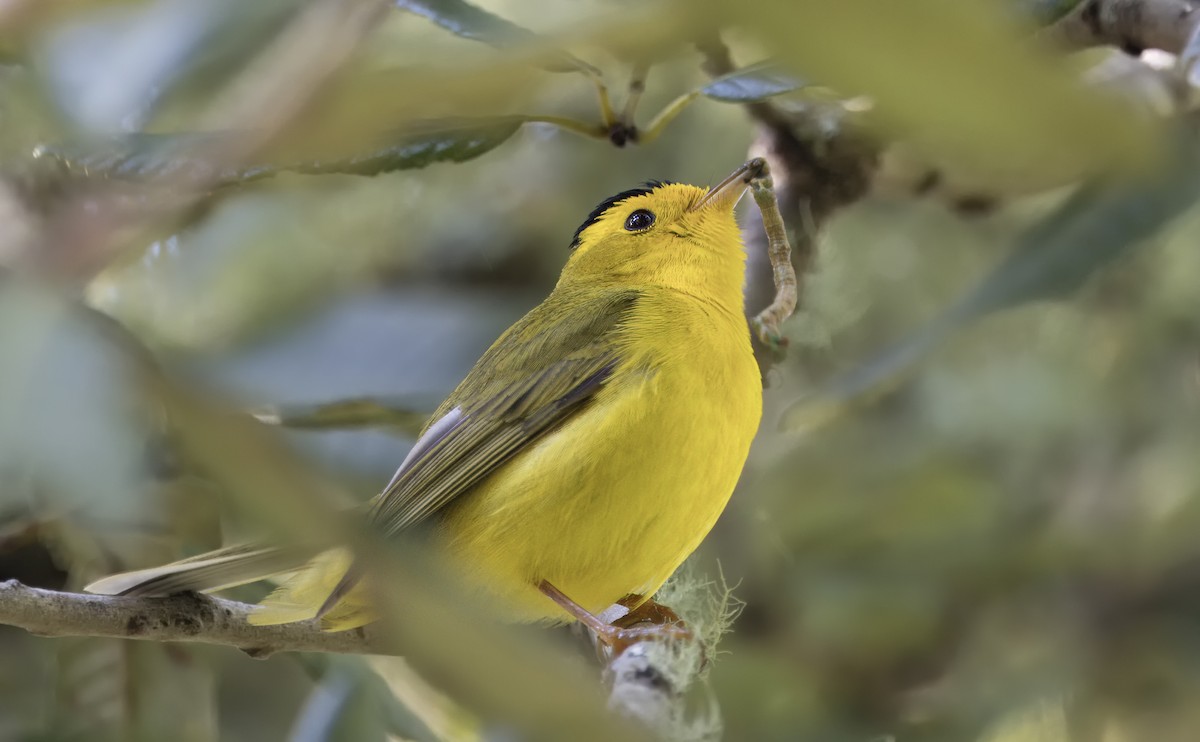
(70, 425)
(472, 22)
(422, 145)
(751, 84)
(150, 156)
(131, 157)
(1097, 225)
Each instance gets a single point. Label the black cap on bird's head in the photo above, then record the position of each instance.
(725, 194)
(665, 235)
(642, 190)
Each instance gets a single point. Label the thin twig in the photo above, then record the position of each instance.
(582, 128)
(637, 86)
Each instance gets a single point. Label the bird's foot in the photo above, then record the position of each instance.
(648, 620)
(643, 620)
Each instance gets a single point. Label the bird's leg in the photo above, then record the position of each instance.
(622, 633)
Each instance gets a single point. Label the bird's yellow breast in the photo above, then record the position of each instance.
(612, 502)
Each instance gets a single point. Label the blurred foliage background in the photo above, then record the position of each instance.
(971, 510)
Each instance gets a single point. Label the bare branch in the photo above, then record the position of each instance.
(649, 683)
(641, 689)
(186, 617)
(1133, 25)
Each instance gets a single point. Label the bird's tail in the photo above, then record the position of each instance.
(215, 570)
(311, 588)
(326, 588)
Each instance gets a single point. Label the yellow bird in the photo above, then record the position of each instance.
(586, 454)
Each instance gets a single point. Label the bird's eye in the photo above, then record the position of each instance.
(639, 221)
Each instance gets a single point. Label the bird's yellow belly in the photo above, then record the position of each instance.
(597, 507)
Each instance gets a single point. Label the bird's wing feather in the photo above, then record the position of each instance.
(215, 570)
(527, 384)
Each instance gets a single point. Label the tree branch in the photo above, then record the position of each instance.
(649, 681)
(187, 617)
(641, 689)
(1133, 25)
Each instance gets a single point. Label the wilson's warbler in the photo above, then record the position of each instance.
(589, 450)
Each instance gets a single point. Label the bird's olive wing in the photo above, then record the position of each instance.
(543, 370)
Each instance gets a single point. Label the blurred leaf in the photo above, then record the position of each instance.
(363, 109)
(956, 78)
(118, 690)
(1187, 60)
(423, 144)
(1047, 11)
(23, 22)
(1046, 720)
(255, 466)
(109, 68)
(234, 39)
(364, 412)
(132, 157)
(472, 22)
(152, 156)
(351, 702)
(754, 83)
(204, 288)
(108, 689)
(1095, 226)
(340, 709)
(69, 423)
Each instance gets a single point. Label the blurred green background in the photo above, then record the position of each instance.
(963, 519)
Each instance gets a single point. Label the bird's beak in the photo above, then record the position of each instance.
(728, 192)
